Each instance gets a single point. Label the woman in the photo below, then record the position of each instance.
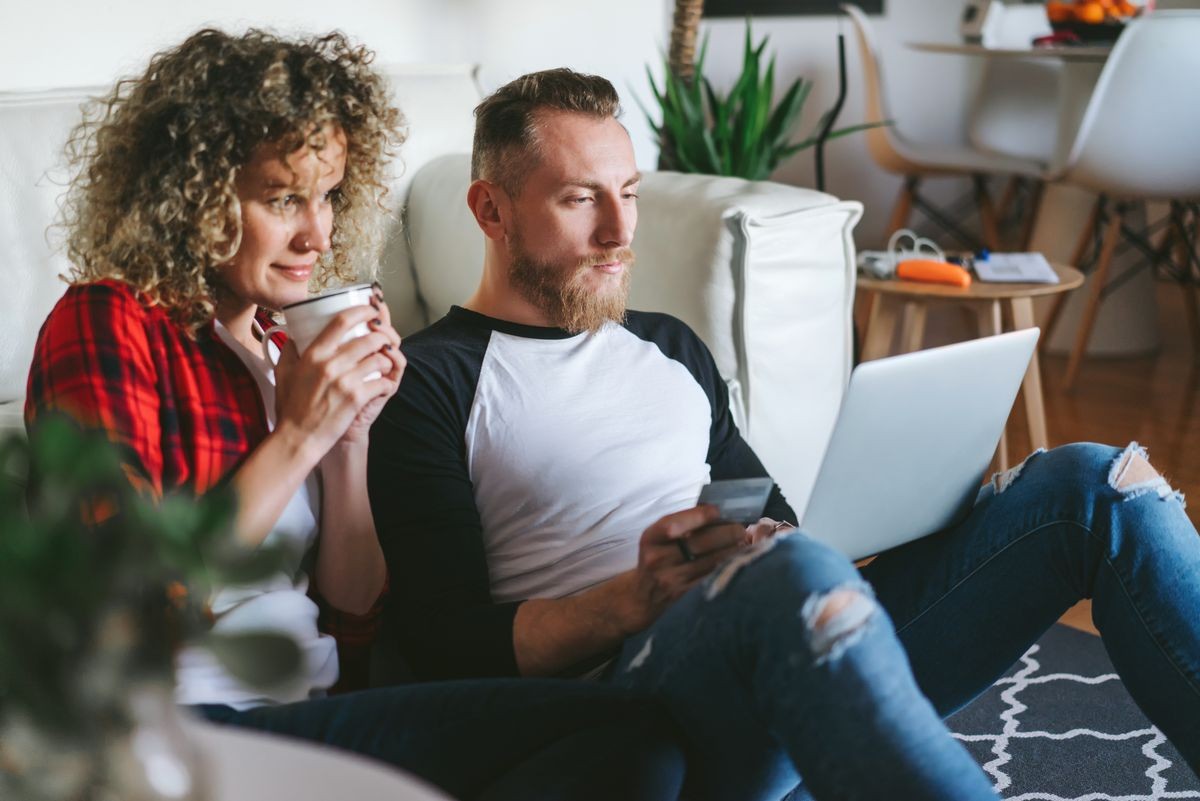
(231, 177)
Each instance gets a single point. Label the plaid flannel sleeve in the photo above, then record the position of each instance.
(92, 361)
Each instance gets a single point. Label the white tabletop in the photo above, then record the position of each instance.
(245, 765)
(1070, 53)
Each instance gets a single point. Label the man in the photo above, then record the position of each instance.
(534, 482)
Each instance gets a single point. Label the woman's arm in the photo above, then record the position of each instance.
(350, 568)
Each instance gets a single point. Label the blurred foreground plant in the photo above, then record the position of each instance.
(98, 587)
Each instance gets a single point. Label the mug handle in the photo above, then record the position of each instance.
(266, 340)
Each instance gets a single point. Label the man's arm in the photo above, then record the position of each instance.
(550, 636)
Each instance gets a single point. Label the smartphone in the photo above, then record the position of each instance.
(739, 500)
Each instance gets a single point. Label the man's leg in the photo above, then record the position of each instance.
(1081, 521)
(783, 653)
(496, 740)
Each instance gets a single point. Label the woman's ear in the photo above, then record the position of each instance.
(491, 207)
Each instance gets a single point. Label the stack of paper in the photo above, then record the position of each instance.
(1016, 268)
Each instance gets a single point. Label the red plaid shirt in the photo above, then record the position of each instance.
(184, 411)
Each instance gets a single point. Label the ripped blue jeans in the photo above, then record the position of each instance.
(787, 662)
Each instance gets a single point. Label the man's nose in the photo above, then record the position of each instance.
(314, 231)
(617, 223)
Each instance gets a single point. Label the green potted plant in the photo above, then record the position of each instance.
(741, 133)
(98, 585)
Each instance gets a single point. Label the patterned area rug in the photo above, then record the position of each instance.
(1061, 727)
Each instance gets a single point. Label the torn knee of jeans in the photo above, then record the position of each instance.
(1133, 476)
(837, 619)
(1004, 479)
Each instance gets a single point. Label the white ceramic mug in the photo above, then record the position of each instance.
(306, 319)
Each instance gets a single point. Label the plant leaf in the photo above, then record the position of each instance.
(260, 659)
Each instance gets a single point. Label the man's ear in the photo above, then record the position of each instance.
(491, 207)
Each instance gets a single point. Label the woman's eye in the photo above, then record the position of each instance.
(282, 202)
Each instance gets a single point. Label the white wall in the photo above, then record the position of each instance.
(927, 92)
(57, 43)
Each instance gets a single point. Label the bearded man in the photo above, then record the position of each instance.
(534, 484)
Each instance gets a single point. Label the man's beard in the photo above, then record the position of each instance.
(564, 295)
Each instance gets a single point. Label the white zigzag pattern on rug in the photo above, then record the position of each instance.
(1025, 678)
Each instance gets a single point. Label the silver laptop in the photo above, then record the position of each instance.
(913, 437)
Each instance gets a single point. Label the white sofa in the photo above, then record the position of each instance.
(763, 272)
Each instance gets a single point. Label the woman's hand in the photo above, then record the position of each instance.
(361, 426)
(324, 395)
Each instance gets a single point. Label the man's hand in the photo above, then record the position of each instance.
(765, 528)
(675, 553)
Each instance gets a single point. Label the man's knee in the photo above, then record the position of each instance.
(1086, 465)
(837, 619)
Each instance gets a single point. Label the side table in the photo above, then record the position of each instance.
(986, 300)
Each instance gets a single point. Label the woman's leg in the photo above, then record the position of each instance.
(496, 739)
(1081, 521)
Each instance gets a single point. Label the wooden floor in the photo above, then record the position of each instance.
(1153, 400)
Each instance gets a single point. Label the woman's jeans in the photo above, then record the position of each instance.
(496, 739)
(788, 662)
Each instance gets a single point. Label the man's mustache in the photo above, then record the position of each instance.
(623, 255)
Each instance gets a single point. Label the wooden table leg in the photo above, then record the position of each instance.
(990, 324)
(877, 341)
(1031, 385)
(912, 335)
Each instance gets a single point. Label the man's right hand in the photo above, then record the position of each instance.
(664, 571)
(552, 635)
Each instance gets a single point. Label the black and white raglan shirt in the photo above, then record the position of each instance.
(520, 462)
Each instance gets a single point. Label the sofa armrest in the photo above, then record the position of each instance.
(763, 272)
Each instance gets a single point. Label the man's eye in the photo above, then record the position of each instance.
(579, 201)
(630, 196)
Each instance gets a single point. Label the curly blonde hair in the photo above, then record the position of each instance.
(153, 202)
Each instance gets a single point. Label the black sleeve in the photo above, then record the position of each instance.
(729, 456)
(440, 607)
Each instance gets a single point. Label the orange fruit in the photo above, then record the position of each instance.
(1091, 12)
(1059, 12)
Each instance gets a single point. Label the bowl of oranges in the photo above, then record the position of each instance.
(1090, 20)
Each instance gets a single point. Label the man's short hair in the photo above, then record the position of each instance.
(505, 146)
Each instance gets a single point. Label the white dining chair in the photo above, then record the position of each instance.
(915, 161)
(1015, 109)
(1137, 143)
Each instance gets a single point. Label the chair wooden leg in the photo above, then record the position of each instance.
(1031, 214)
(1185, 257)
(903, 206)
(1099, 278)
(1004, 205)
(987, 214)
(1085, 238)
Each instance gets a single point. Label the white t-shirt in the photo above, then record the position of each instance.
(278, 603)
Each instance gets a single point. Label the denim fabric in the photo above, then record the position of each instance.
(856, 709)
(496, 739)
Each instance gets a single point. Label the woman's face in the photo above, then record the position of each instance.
(287, 220)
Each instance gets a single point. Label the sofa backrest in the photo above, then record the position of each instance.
(437, 102)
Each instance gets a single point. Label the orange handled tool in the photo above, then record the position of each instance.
(934, 272)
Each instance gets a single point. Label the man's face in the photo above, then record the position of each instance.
(573, 221)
